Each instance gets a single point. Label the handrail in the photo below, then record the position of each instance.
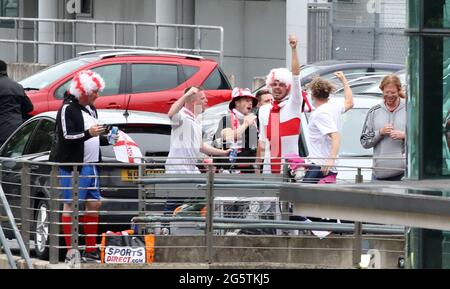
(74, 43)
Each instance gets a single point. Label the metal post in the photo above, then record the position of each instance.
(9, 255)
(16, 50)
(35, 46)
(114, 36)
(198, 39)
(53, 230)
(141, 198)
(54, 40)
(74, 31)
(209, 214)
(177, 38)
(221, 47)
(357, 235)
(135, 35)
(156, 37)
(75, 208)
(94, 35)
(25, 205)
(12, 222)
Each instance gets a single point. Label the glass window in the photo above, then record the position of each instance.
(110, 74)
(16, 145)
(216, 81)
(152, 139)
(153, 77)
(413, 127)
(41, 141)
(414, 13)
(436, 13)
(44, 77)
(189, 71)
(8, 8)
(446, 108)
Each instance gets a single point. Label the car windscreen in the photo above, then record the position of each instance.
(44, 77)
(152, 139)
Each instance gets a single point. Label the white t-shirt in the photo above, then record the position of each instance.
(92, 145)
(324, 120)
(185, 143)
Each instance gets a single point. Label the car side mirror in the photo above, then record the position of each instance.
(9, 164)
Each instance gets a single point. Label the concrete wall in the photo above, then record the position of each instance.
(255, 35)
(19, 71)
(332, 252)
(256, 252)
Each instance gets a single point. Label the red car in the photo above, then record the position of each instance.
(135, 80)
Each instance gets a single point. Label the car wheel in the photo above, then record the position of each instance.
(41, 238)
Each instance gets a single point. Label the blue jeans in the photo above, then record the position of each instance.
(313, 175)
(392, 179)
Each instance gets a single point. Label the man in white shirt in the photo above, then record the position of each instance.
(324, 126)
(279, 123)
(186, 137)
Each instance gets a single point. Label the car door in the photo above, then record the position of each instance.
(154, 86)
(112, 96)
(14, 149)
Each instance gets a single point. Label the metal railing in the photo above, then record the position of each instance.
(144, 196)
(21, 23)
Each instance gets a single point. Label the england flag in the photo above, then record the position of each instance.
(126, 150)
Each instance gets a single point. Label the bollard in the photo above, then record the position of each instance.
(209, 214)
(357, 235)
(25, 204)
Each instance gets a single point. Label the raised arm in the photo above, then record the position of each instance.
(295, 64)
(178, 105)
(348, 94)
(296, 99)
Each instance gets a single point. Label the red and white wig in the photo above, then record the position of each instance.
(85, 83)
(282, 75)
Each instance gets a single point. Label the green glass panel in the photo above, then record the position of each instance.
(446, 109)
(413, 13)
(413, 108)
(436, 13)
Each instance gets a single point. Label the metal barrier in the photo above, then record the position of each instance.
(135, 190)
(197, 49)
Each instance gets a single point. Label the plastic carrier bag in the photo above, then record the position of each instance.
(126, 248)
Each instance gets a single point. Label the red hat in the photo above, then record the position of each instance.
(241, 92)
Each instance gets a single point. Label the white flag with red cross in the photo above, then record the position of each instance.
(126, 150)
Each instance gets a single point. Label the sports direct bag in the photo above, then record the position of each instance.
(125, 248)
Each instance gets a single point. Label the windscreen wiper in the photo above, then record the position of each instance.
(31, 88)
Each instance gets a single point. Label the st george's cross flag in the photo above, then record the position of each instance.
(126, 150)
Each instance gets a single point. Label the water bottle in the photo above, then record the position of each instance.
(233, 155)
(112, 135)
